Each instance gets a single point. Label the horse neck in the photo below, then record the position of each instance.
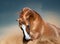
(39, 18)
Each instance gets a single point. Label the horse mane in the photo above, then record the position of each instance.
(37, 14)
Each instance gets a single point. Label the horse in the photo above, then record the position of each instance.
(33, 25)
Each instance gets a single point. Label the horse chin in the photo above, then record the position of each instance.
(26, 35)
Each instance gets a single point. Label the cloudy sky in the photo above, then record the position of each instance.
(48, 9)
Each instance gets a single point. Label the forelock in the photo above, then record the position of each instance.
(26, 9)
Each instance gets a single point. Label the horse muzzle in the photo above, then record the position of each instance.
(26, 35)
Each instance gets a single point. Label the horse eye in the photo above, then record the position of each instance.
(27, 18)
(23, 22)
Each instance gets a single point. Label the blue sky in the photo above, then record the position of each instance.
(48, 9)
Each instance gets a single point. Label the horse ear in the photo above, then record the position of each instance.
(32, 16)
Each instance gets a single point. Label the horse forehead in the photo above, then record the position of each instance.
(22, 17)
(22, 14)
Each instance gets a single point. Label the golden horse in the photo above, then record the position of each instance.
(35, 26)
